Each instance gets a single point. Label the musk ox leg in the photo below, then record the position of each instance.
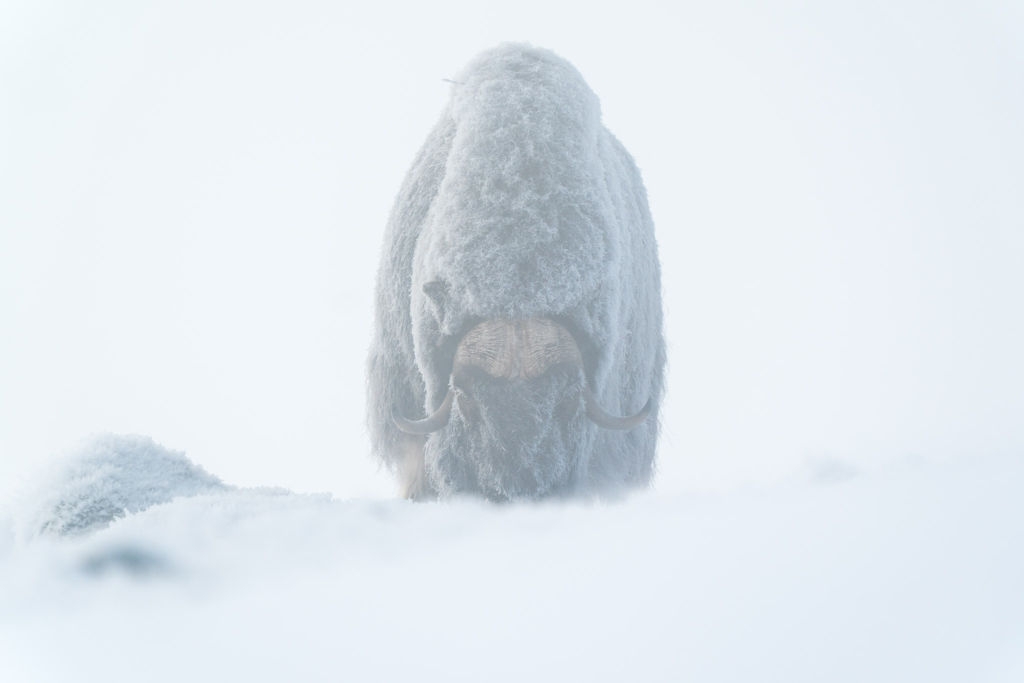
(412, 471)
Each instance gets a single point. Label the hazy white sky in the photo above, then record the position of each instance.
(192, 196)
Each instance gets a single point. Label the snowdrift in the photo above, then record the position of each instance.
(913, 573)
(105, 478)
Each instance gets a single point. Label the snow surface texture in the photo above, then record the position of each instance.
(915, 573)
(105, 478)
(520, 204)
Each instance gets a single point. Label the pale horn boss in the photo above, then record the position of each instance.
(518, 348)
(518, 351)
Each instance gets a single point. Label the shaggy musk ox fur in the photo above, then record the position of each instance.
(518, 297)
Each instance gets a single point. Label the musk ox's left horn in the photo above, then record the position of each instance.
(602, 418)
(428, 424)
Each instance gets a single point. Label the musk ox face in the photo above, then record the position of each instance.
(515, 438)
(518, 418)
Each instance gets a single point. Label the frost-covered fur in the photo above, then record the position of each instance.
(103, 479)
(520, 204)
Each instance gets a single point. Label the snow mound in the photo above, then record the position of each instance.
(907, 574)
(106, 477)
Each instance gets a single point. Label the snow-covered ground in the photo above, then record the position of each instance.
(911, 573)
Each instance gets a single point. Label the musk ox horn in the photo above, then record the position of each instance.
(602, 418)
(507, 349)
(431, 423)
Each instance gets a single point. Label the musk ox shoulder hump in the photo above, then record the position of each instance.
(524, 198)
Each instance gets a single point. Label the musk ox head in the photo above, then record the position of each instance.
(513, 421)
(518, 296)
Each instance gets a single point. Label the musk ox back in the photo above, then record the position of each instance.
(518, 348)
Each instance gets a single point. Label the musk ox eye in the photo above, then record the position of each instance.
(568, 406)
(467, 406)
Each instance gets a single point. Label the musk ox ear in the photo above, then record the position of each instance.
(437, 295)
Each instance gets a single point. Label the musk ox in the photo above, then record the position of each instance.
(517, 349)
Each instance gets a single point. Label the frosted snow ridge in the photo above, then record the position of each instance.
(913, 573)
(107, 477)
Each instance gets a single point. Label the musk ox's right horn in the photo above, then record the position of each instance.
(602, 418)
(429, 424)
